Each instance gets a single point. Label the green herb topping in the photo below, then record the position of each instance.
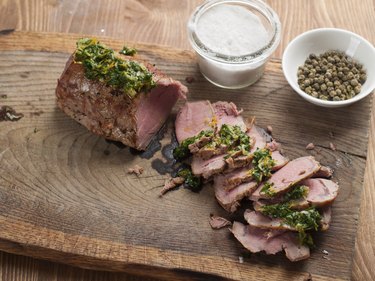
(301, 220)
(268, 189)
(100, 63)
(230, 136)
(262, 164)
(296, 193)
(127, 51)
(234, 137)
(191, 181)
(182, 151)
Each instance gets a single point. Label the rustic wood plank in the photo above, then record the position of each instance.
(296, 16)
(21, 268)
(64, 198)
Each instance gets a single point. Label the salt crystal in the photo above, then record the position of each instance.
(232, 30)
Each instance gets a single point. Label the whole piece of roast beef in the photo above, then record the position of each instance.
(113, 114)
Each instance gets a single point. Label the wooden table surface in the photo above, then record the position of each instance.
(163, 22)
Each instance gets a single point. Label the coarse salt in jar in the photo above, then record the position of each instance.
(233, 40)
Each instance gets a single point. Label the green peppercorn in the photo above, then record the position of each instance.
(354, 82)
(331, 76)
(336, 98)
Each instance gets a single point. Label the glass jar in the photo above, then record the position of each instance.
(233, 40)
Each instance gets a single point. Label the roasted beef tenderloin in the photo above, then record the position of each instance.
(111, 112)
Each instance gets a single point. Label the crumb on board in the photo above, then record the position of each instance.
(137, 170)
(326, 257)
(170, 184)
(332, 146)
(310, 146)
(269, 129)
(217, 222)
(325, 252)
(308, 277)
(240, 259)
(9, 114)
(190, 79)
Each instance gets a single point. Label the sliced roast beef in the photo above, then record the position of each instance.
(234, 178)
(258, 240)
(259, 138)
(227, 113)
(245, 160)
(230, 200)
(231, 180)
(198, 144)
(259, 141)
(208, 152)
(280, 160)
(257, 219)
(111, 112)
(209, 167)
(322, 192)
(193, 118)
(293, 172)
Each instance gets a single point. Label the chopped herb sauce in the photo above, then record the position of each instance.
(127, 51)
(191, 181)
(230, 136)
(268, 189)
(296, 193)
(182, 151)
(100, 63)
(262, 165)
(301, 220)
(234, 137)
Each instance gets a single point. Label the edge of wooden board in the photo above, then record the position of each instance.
(61, 42)
(126, 258)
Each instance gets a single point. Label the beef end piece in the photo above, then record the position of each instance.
(111, 113)
(270, 241)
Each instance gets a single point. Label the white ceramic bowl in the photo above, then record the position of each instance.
(318, 41)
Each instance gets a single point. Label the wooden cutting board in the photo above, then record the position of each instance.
(65, 194)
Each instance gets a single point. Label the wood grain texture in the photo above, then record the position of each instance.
(65, 194)
(296, 16)
(164, 21)
(21, 268)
